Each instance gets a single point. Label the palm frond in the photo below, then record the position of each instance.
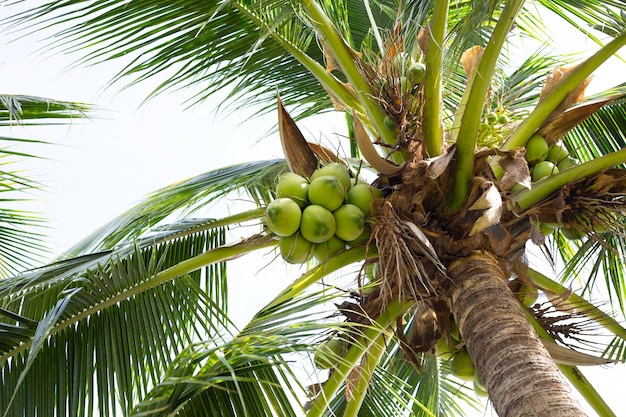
(211, 46)
(120, 311)
(115, 334)
(602, 133)
(37, 111)
(585, 16)
(616, 350)
(214, 46)
(241, 377)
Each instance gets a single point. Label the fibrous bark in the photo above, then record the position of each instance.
(520, 377)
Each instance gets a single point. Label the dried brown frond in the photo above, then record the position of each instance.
(401, 258)
(569, 325)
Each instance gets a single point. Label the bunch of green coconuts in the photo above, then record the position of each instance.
(321, 215)
(545, 160)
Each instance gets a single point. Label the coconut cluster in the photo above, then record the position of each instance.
(319, 216)
(545, 160)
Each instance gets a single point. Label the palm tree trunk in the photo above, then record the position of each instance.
(520, 376)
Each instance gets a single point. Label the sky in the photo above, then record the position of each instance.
(100, 167)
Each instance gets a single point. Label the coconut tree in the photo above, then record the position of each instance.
(470, 150)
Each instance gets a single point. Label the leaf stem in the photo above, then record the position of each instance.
(345, 57)
(587, 390)
(432, 123)
(468, 131)
(225, 221)
(371, 360)
(341, 372)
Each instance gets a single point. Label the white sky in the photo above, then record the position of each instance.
(101, 167)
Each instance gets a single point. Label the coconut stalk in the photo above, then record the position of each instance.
(432, 125)
(506, 351)
(468, 131)
(346, 58)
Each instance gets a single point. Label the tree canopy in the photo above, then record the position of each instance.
(136, 317)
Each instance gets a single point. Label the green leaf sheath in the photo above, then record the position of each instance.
(432, 123)
(468, 131)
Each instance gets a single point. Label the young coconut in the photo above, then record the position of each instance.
(324, 251)
(329, 353)
(536, 149)
(362, 195)
(416, 72)
(349, 221)
(462, 366)
(327, 191)
(567, 163)
(294, 186)
(557, 153)
(572, 233)
(336, 170)
(527, 295)
(318, 224)
(544, 169)
(283, 216)
(442, 350)
(295, 249)
(479, 386)
(363, 237)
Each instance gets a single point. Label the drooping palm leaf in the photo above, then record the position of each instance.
(124, 331)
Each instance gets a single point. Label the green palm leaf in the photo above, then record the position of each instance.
(125, 345)
(34, 111)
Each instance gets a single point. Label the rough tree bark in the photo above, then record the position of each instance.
(520, 377)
